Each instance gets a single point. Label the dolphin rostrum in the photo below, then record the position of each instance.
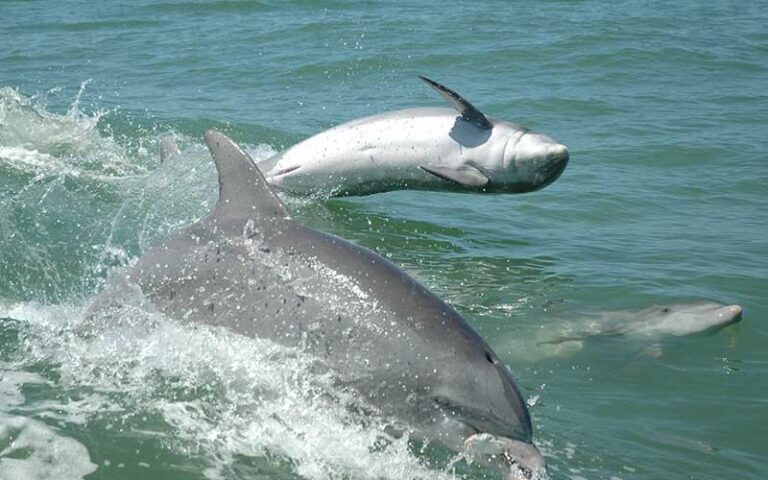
(248, 266)
(422, 149)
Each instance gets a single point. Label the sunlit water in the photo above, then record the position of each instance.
(665, 113)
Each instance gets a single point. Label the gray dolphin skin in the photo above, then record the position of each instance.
(458, 149)
(249, 267)
(655, 322)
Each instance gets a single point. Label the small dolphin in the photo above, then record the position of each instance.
(421, 149)
(655, 322)
(251, 268)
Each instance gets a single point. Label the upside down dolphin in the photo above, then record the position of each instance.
(422, 149)
(249, 267)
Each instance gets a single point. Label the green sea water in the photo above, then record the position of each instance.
(664, 108)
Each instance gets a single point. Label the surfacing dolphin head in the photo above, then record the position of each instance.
(477, 400)
(688, 318)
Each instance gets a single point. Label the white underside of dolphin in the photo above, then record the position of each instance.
(421, 148)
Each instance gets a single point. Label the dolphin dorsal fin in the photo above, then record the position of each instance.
(468, 111)
(242, 187)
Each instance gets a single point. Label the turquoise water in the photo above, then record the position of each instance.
(664, 110)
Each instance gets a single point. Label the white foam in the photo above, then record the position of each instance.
(11, 382)
(36, 140)
(30, 450)
(221, 395)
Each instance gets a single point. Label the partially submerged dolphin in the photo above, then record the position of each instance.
(654, 322)
(423, 149)
(249, 267)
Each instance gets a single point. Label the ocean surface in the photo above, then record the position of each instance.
(664, 108)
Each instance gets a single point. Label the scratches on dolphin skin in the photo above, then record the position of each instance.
(284, 171)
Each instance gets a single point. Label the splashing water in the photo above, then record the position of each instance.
(227, 401)
(75, 202)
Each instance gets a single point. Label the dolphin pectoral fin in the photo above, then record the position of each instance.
(243, 190)
(468, 111)
(468, 176)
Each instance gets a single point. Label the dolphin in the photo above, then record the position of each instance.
(655, 322)
(421, 149)
(416, 362)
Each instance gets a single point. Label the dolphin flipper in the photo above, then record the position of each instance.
(242, 187)
(467, 176)
(466, 109)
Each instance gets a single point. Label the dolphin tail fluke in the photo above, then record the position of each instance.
(242, 187)
(466, 109)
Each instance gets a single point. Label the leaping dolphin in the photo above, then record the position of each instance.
(422, 149)
(248, 266)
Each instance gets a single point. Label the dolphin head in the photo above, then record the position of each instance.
(478, 398)
(530, 160)
(690, 318)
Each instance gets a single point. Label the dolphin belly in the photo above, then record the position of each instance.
(372, 155)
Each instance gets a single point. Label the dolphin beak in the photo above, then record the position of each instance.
(727, 316)
(558, 152)
(524, 462)
(519, 460)
(736, 311)
(557, 156)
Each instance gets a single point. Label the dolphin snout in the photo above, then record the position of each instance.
(728, 315)
(557, 160)
(557, 152)
(736, 312)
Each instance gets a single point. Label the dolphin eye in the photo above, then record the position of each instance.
(666, 310)
(489, 358)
